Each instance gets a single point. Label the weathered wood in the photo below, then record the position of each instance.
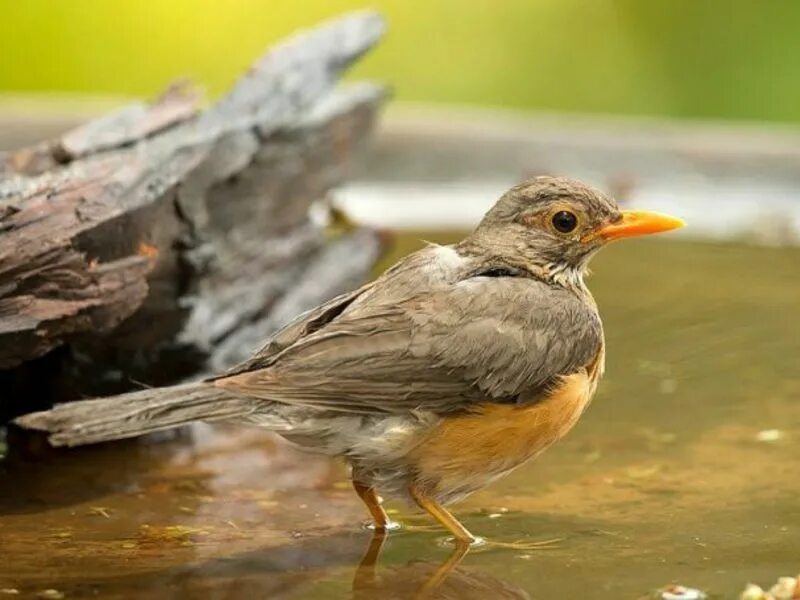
(144, 245)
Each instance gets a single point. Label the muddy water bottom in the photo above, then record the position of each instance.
(684, 469)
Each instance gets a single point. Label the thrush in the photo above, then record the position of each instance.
(452, 368)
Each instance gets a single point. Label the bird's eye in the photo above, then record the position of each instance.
(565, 221)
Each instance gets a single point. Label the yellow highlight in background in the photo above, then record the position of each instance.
(729, 59)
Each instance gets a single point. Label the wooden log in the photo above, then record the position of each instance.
(162, 242)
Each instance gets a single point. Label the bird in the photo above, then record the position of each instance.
(452, 368)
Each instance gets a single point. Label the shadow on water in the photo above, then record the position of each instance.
(43, 478)
(684, 469)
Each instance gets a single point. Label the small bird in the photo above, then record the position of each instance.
(452, 368)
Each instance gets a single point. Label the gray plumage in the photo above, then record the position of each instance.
(439, 344)
(499, 318)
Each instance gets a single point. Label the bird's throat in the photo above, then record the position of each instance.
(566, 275)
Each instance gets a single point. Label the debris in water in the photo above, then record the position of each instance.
(50, 594)
(752, 592)
(680, 592)
(787, 588)
(176, 534)
(769, 435)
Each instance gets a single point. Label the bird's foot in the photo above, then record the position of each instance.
(388, 526)
(451, 542)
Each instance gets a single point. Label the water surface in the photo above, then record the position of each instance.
(684, 469)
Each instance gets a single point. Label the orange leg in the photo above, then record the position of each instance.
(370, 498)
(441, 514)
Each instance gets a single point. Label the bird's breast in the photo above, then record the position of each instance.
(465, 452)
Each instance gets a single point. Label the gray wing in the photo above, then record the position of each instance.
(476, 340)
(302, 325)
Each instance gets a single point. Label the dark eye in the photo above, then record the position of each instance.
(565, 221)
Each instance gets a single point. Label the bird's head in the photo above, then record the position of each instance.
(554, 226)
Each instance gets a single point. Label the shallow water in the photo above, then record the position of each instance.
(673, 474)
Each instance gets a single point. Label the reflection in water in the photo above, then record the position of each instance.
(683, 470)
(316, 567)
(427, 580)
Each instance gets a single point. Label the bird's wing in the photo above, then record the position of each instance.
(479, 339)
(301, 326)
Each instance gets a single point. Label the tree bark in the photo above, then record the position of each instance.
(162, 242)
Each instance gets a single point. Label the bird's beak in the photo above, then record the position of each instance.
(639, 222)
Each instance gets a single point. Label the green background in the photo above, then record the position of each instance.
(701, 58)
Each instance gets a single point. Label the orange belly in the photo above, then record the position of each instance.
(466, 452)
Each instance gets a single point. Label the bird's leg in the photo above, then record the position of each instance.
(438, 512)
(370, 498)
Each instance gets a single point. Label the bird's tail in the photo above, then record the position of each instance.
(135, 413)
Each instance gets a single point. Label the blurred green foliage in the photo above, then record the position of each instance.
(702, 58)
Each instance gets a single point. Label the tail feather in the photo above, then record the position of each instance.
(135, 413)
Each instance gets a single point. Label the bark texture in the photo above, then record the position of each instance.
(163, 241)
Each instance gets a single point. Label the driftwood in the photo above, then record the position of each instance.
(163, 242)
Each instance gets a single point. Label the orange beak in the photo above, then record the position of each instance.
(639, 222)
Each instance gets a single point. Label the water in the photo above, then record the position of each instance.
(684, 469)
